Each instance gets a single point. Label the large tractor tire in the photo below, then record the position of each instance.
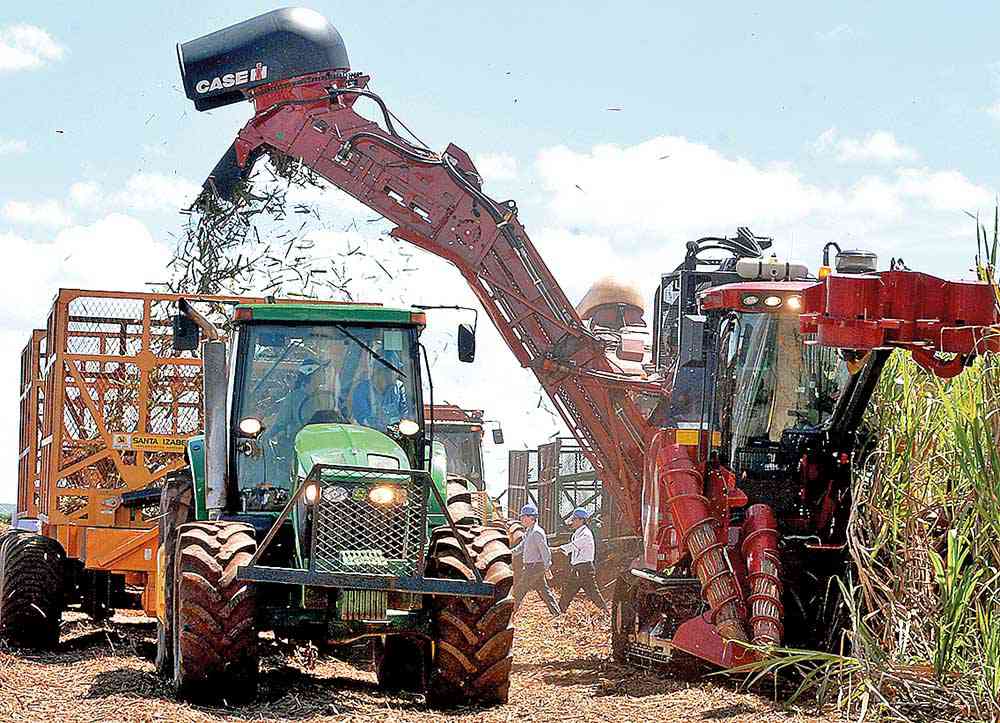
(459, 501)
(176, 508)
(215, 655)
(32, 596)
(472, 636)
(402, 663)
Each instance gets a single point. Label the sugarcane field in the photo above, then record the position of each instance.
(309, 427)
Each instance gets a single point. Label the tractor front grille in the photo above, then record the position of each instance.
(352, 534)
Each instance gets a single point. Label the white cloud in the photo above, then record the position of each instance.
(47, 213)
(12, 145)
(496, 166)
(24, 47)
(841, 31)
(878, 146)
(142, 192)
(994, 110)
(634, 207)
(116, 252)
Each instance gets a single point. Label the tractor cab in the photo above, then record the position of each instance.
(327, 388)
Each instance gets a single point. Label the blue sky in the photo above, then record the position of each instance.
(868, 123)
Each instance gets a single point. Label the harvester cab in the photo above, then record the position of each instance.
(320, 509)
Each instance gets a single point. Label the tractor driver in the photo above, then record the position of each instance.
(379, 398)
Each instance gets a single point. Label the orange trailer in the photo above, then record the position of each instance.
(106, 409)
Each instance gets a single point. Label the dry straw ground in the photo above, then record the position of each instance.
(561, 673)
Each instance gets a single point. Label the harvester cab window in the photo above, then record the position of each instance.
(294, 375)
(773, 379)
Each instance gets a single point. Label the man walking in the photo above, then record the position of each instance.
(580, 549)
(537, 558)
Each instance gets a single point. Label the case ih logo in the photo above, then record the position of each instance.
(231, 80)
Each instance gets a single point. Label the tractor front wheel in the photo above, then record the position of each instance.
(32, 576)
(215, 654)
(472, 636)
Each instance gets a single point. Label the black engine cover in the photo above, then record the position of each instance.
(217, 68)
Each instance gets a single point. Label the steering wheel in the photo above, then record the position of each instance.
(321, 415)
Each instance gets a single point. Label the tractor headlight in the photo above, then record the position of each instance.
(312, 493)
(251, 427)
(383, 495)
(407, 427)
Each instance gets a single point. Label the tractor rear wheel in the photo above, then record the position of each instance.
(32, 577)
(176, 508)
(473, 636)
(401, 663)
(215, 653)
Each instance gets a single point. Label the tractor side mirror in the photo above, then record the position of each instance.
(497, 435)
(466, 343)
(187, 335)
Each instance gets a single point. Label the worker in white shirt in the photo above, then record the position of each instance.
(580, 549)
(534, 551)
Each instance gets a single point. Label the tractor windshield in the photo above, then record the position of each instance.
(291, 375)
(464, 448)
(771, 379)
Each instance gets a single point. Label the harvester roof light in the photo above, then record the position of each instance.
(794, 302)
(751, 300)
(773, 301)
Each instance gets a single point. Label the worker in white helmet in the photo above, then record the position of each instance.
(537, 558)
(583, 574)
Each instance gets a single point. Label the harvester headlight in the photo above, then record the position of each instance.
(382, 461)
(312, 493)
(794, 302)
(251, 427)
(407, 427)
(383, 495)
(773, 301)
(751, 300)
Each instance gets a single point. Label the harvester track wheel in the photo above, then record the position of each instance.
(176, 502)
(623, 619)
(215, 633)
(32, 596)
(401, 663)
(473, 636)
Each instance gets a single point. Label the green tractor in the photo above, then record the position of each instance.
(316, 505)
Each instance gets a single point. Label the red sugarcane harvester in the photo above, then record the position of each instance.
(730, 451)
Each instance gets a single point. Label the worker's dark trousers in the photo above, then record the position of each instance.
(582, 577)
(533, 578)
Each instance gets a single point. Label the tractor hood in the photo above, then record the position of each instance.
(347, 444)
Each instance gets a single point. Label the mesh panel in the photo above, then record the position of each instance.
(354, 535)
